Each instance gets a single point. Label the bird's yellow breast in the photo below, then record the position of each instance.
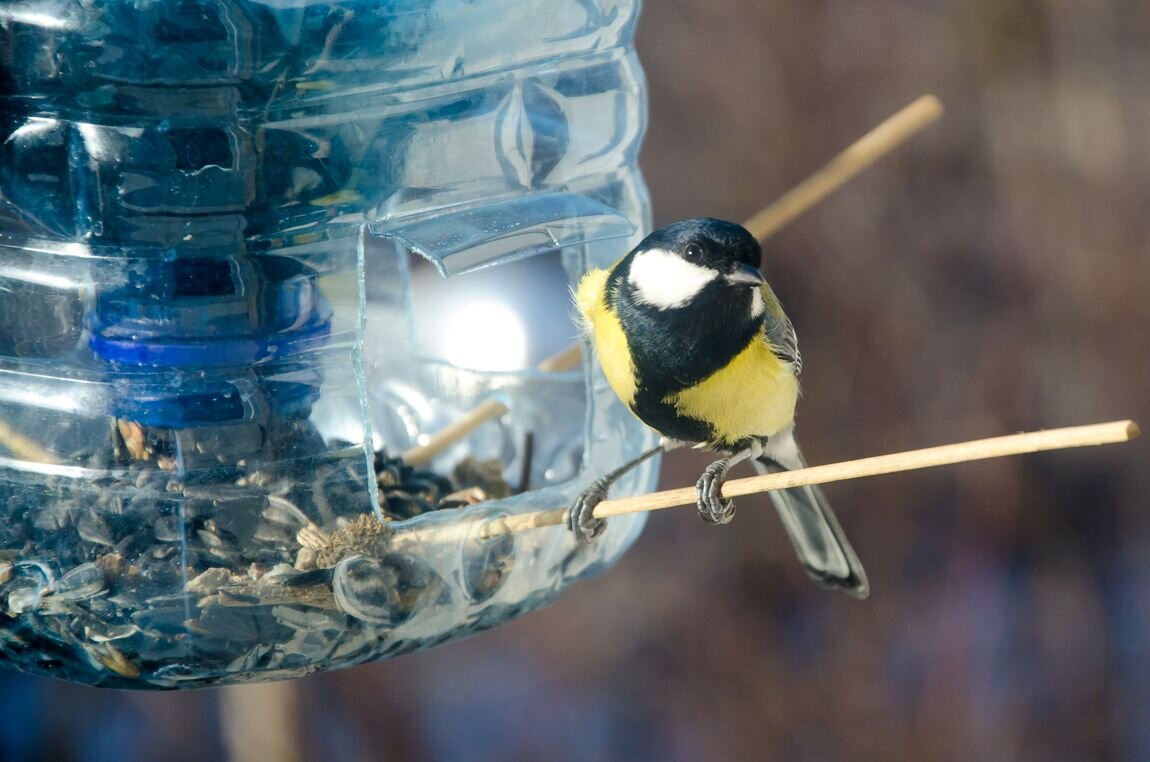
(606, 332)
(752, 396)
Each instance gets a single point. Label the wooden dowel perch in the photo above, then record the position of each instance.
(487, 410)
(872, 146)
(944, 455)
(23, 447)
(865, 151)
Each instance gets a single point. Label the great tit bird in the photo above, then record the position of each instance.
(694, 341)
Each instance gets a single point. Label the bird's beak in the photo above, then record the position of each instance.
(746, 275)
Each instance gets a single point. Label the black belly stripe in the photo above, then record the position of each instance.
(663, 418)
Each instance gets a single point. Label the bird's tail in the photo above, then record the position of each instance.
(821, 545)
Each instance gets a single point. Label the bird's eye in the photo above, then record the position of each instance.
(694, 252)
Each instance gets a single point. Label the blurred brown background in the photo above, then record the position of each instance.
(990, 277)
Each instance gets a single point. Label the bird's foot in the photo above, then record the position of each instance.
(713, 507)
(581, 515)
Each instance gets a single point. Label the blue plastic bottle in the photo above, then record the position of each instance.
(211, 215)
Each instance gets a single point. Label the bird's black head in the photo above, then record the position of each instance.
(688, 298)
(702, 259)
(709, 242)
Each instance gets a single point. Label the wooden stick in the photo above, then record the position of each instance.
(487, 410)
(261, 721)
(861, 154)
(568, 359)
(944, 455)
(23, 447)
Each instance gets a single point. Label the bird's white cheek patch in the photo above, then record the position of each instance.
(757, 305)
(664, 280)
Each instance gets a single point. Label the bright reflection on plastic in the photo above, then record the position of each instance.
(485, 335)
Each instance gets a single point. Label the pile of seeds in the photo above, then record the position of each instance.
(149, 578)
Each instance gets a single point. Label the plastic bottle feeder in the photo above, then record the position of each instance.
(251, 253)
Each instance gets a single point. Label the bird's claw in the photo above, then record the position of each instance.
(581, 515)
(713, 507)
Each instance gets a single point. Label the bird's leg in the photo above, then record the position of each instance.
(581, 515)
(713, 507)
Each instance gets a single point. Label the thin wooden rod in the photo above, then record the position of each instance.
(944, 455)
(487, 410)
(24, 448)
(567, 359)
(865, 151)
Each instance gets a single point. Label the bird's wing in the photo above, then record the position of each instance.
(779, 332)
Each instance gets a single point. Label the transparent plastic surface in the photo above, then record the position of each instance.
(211, 360)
